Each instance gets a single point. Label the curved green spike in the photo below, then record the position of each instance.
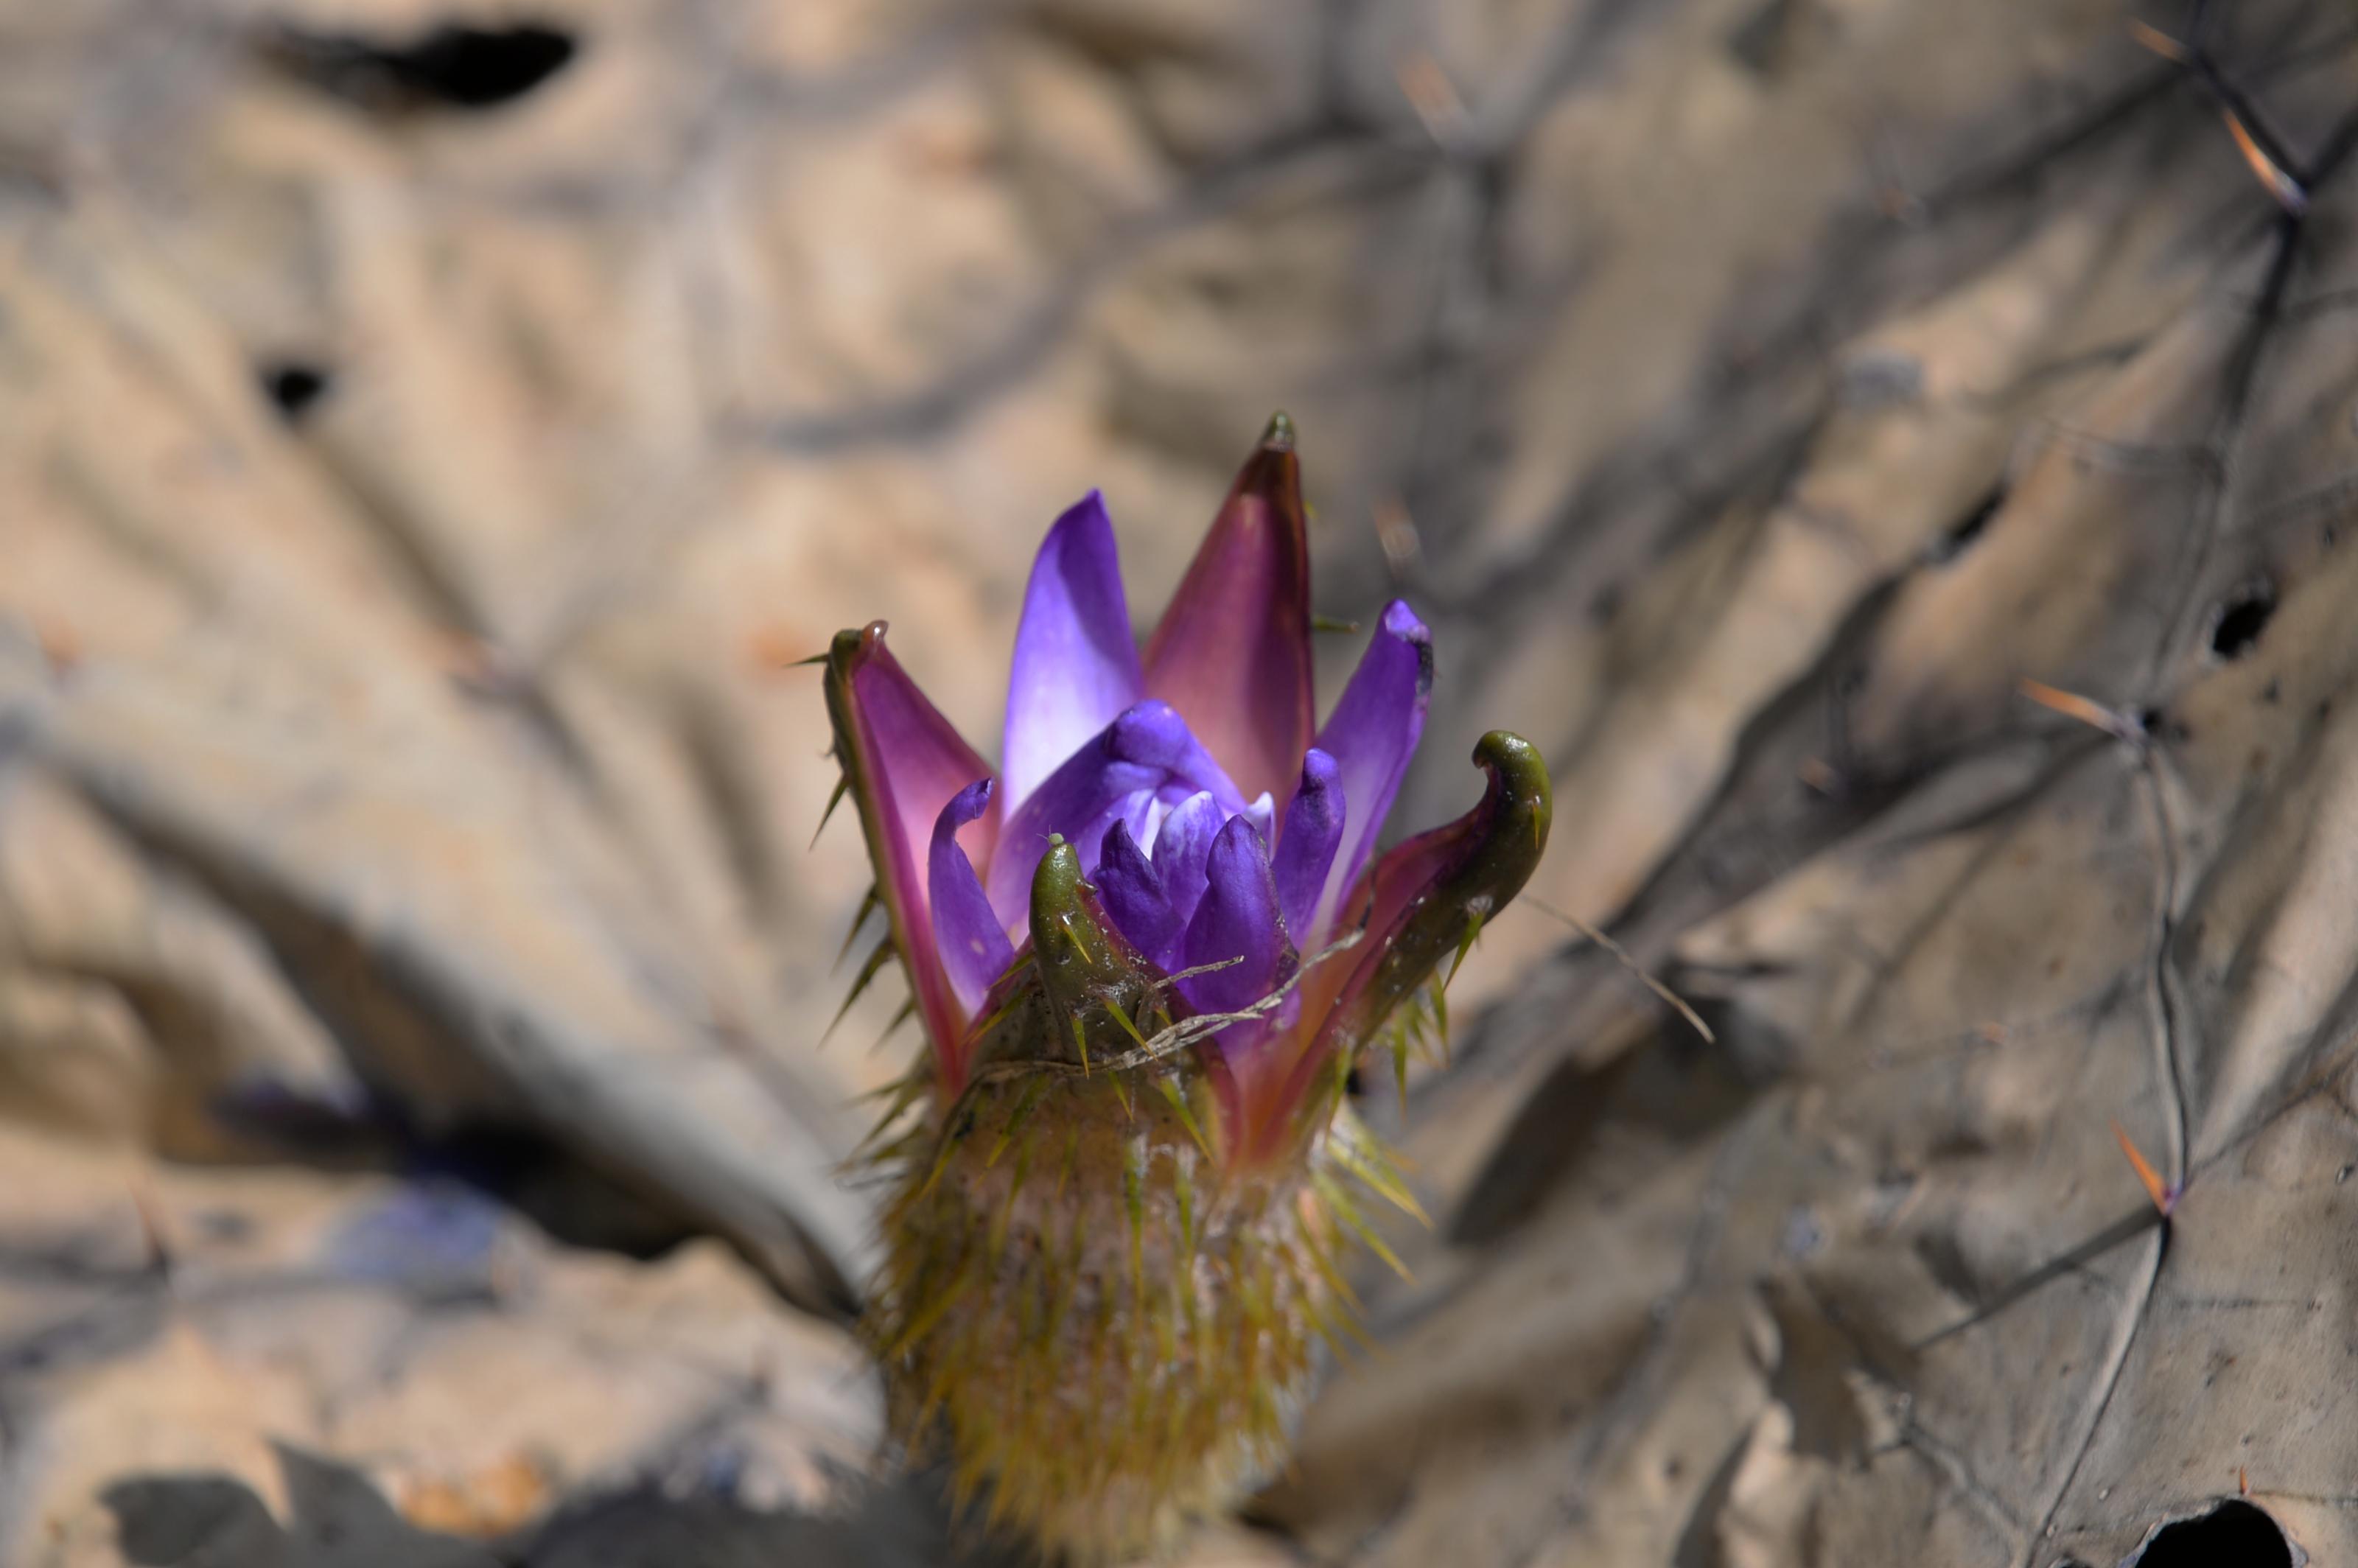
(1499, 846)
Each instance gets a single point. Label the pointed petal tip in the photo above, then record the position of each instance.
(1400, 620)
(1232, 652)
(1277, 435)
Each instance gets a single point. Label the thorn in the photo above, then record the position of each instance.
(1329, 623)
(1182, 1191)
(1396, 532)
(1122, 1018)
(1133, 1203)
(770, 649)
(2281, 184)
(1432, 95)
(1339, 1204)
(2159, 42)
(867, 907)
(876, 961)
(842, 787)
(1172, 1092)
(2087, 710)
(908, 1011)
(1367, 1165)
(1621, 956)
(923, 1320)
(1025, 1103)
(2164, 1195)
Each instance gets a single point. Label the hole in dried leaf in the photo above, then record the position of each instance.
(2235, 1531)
(1966, 529)
(2242, 620)
(294, 387)
(453, 67)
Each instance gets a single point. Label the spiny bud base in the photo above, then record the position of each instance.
(1111, 1337)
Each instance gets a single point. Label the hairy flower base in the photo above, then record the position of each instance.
(1111, 1336)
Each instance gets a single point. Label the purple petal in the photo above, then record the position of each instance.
(1238, 919)
(1313, 829)
(1144, 749)
(974, 946)
(1233, 651)
(1182, 847)
(1132, 892)
(1076, 664)
(1371, 735)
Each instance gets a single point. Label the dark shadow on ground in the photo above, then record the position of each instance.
(338, 1520)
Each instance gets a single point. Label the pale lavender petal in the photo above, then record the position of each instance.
(1142, 815)
(974, 946)
(1133, 812)
(1132, 894)
(1238, 919)
(1262, 814)
(1182, 847)
(1371, 735)
(1314, 829)
(1076, 664)
(1146, 748)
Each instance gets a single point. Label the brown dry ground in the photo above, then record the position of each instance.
(416, 1141)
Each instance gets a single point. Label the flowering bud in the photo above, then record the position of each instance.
(1147, 952)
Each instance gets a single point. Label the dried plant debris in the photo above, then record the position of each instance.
(1896, 462)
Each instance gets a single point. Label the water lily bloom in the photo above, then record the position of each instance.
(1146, 950)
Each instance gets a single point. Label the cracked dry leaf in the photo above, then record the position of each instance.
(422, 444)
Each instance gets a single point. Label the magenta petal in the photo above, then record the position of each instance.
(1182, 846)
(1077, 662)
(1238, 919)
(1232, 652)
(1131, 891)
(1372, 735)
(906, 761)
(1146, 748)
(1314, 829)
(974, 948)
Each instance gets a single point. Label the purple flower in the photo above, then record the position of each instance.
(1225, 842)
(1144, 951)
